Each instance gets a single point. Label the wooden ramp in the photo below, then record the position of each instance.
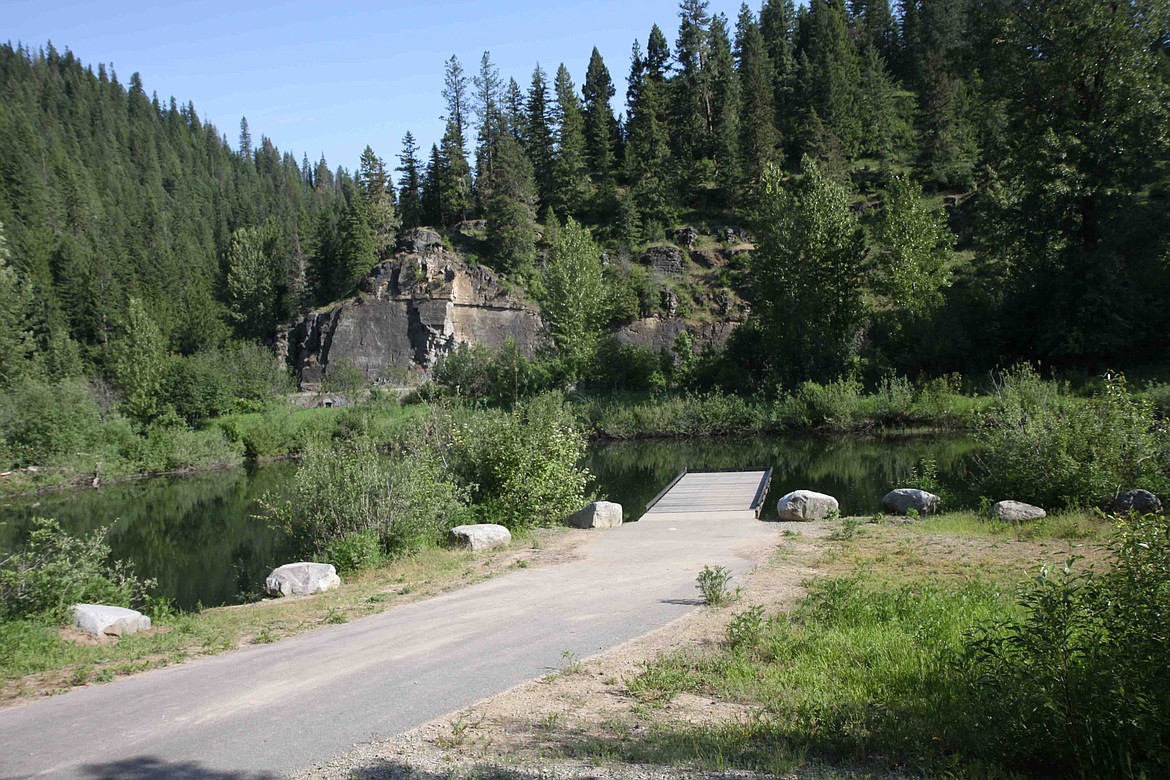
(712, 491)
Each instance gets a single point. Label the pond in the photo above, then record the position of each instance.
(198, 537)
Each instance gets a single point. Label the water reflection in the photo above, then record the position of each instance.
(197, 535)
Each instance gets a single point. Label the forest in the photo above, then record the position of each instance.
(942, 186)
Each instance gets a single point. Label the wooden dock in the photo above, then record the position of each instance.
(712, 491)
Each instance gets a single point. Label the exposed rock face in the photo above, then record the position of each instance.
(806, 505)
(656, 334)
(301, 579)
(664, 259)
(599, 514)
(900, 501)
(1016, 511)
(686, 236)
(483, 536)
(1141, 501)
(103, 620)
(416, 308)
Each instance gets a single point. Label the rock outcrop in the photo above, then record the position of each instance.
(806, 505)
(902, 500)
(104, 620)
(413, 310)
(301, 579)
(483, 536)
(656, 333)
(664, 259)
(599, 514)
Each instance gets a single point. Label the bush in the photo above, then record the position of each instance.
(499, 376)
(522, 465)
(41, 422)
(346, 493)
(833, 405)
(56, 570)
(1078, 684)
(1048, 448)
(621, 367)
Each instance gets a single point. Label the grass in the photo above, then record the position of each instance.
(36, 658)
(862, 672)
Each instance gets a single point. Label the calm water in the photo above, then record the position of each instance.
(197, 535)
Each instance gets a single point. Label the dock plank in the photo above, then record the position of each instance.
(712, 491)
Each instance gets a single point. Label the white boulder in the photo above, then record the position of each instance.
(1016, 511)
(902, 500)
(103, 620)
(301, 579)
(483, 536)
(806, 505)
(599, 514)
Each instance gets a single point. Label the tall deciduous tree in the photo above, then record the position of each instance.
(574, 297)
(808, 274)
(251, 281)
(915, 247)
(139, 364)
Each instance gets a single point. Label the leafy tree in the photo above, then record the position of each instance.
(808, 274)
(250, 282)
(574, 297)
(915, 247)
(139, 364)
(511, 206)
(570, 171)
(410, 185)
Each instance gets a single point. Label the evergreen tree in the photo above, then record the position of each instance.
(757, 130)
(571, 189)
(776, 26)
(829, 79)
(377, 198)
(489, 112)
(17, 343)
(692, 102)
(885, 109)
(454, 172)
(600, 125)
(410, 184)
(514, 110)
(807, 273)
(357, 248)
(245, 139)
(538, 136)
(432, 189)
(648, 158)
(511, 207)
(725, 106)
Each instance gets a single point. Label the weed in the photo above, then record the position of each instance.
(847, 531)
(335, 616)
(570, 663)
(264, 636)
(746, 629)
(712, 585)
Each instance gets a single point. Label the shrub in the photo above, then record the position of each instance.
(501, 376)
(522, 465)
(1077, 685)
(42, 421)
(1046, 447)
(344, 493)
(712, 585)
(56, 570)
(833, 405)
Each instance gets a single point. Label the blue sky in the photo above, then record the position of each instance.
(332, 77)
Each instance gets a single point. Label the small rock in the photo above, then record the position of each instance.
(1016, 511)
(806, 505)
(100, 619)
(669, 301)
(599, 514)
(301, 579)
(483, 536)
(900, 501)
(1142, 502)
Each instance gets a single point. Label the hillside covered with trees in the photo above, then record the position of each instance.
(941, 186)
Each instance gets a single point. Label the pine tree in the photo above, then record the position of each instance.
(432, 189)
(829, 77)
(410, 184)
(454, 172)
(377, 198)
(600, 124)
(691, 104)
(885, 109)
(571, 189)
(725, 107)
(511, 207)
(776, 26)
(250, 282)
(489, 113)
(758, 139)
(357, 248)
(538, 137)
(245, 139)
(649, 165)
(17, 343)
(514, 110)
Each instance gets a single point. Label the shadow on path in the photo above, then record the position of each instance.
(150, 768)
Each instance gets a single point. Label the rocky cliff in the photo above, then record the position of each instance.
(412, 311)
(416, 308)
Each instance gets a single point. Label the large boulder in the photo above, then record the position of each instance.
(599, 514)
(664, 259)
(103, 620)
(483, 536)
(301, 579)
(1016, 511)
(806, 505)
(1143, 502)
(686, 236)
(902, 500)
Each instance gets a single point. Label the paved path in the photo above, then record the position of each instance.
(282, 707)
